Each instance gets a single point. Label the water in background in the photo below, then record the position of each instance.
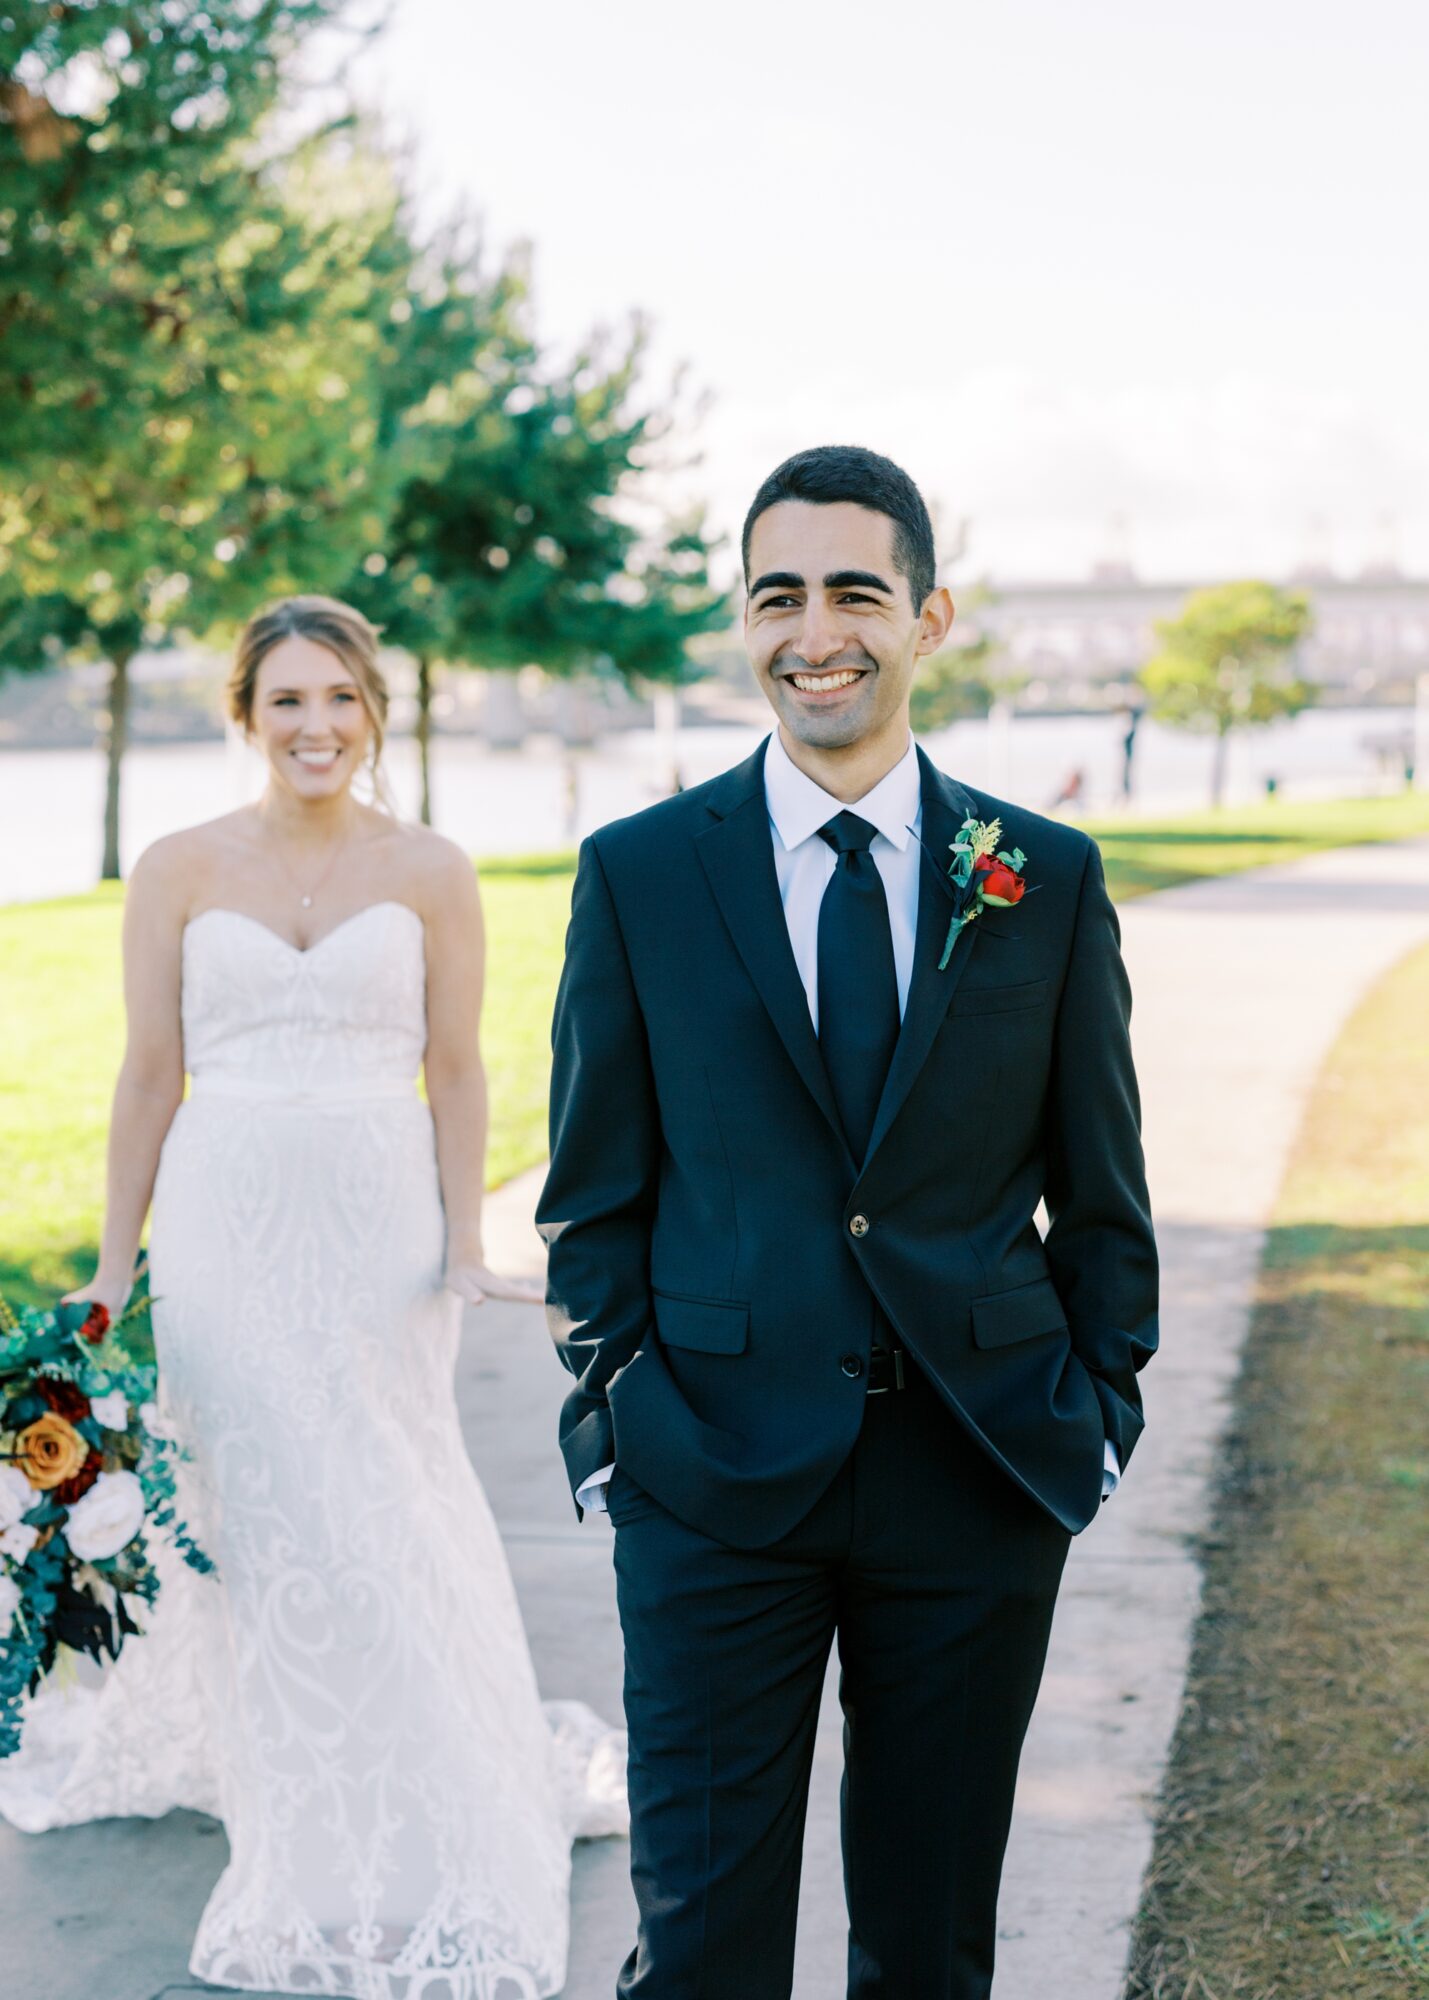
(543, 796)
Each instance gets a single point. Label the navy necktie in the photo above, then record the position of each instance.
(858, 980)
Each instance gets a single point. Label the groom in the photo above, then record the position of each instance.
(832, 1382)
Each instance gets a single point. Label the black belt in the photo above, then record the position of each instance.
(885, 1370)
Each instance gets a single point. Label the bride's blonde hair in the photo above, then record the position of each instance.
(327, 622)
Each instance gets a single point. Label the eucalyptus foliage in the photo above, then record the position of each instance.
(61, 1600)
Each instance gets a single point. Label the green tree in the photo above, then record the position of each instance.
(967, 677)
(1227, 662)
(527, 543)
(460, 349)
(37, 632)
(538, 529)
(193, 323)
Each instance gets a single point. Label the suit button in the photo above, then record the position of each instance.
(852, 1366)
(859, 1225)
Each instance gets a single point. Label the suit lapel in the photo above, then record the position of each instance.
(945, 807)
(737, 855)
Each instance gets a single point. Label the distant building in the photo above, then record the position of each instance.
(1082, 644)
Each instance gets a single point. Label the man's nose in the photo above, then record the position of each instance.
(821, 635)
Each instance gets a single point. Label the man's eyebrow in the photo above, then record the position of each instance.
(777, 579)
(854, 579)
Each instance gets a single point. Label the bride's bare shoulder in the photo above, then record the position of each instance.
(428, 869)
(177, 864)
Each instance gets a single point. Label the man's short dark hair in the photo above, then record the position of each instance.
(832, 472)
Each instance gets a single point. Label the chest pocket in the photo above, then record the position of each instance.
(999, 999)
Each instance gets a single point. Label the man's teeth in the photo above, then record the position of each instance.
(820, 683)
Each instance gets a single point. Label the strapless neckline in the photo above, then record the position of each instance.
(334, 1019)
(302, 950)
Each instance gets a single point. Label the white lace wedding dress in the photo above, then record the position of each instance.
(353, 1695)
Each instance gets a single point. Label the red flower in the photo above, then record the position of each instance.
(96, 1323)
(1000, 884)
(70, 1490)
(64, 1398)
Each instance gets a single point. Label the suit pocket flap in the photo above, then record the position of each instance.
(1004, 1317)
(710, 1326)
(999, 999)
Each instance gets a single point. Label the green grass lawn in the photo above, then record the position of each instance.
(1292, 1847)
(1145, 854)
(59, 977)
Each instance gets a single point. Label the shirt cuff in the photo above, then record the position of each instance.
(591, 1493)
(1111, 1470)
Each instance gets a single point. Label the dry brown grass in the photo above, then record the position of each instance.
(1291, 1859)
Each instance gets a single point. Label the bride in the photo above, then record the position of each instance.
(353, 1694)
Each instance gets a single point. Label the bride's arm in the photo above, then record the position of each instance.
(150, 1087)
(456, 1080)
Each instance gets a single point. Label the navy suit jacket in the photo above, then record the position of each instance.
(711, 1278)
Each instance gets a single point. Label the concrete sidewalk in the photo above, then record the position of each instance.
(1240, 987)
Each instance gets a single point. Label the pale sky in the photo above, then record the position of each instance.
(1116, 277)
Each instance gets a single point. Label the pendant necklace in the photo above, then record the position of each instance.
(305, 897)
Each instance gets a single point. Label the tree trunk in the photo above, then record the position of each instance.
(116, 738)
(423, 733)
(1218, 766)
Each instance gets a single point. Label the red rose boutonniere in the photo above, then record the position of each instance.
(981, 877)
(999, 881)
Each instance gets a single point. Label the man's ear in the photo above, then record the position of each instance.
(935, 623)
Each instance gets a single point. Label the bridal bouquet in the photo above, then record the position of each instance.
(86, 1478)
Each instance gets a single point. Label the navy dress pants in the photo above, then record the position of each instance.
(936, 1575)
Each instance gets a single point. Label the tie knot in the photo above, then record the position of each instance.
(848, 834)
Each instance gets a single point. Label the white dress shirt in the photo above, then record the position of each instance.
(804, 864)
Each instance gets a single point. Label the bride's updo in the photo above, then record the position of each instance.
(326, 622)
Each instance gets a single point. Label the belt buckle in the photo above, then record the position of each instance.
(897, 1383)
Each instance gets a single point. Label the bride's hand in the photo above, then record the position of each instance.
(111, 1293)
(476, 1284)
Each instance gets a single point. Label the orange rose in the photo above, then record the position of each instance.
(50, 1451)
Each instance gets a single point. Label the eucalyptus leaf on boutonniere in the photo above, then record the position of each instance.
(980, 876)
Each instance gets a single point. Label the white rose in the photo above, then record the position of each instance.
(112, 1410)
(18, 1539)
(17, 1495)
(9, 1601)
(107, 1519)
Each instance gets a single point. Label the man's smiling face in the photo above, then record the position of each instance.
(830, 624)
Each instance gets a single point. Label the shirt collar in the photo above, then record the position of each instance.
(798, 807)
